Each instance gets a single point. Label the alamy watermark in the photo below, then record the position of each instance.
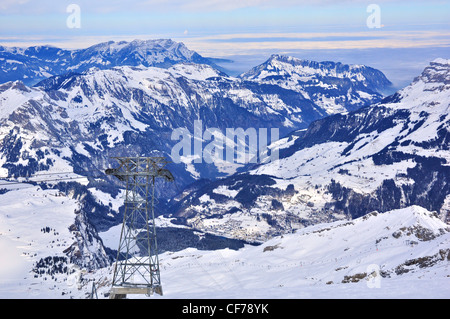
(374, 19)
(235, 145)
(74, 19)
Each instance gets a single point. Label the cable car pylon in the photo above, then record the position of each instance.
(136, 270)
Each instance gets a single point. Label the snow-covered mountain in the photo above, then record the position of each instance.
(386, 156)
(36, 63)
(334, 86)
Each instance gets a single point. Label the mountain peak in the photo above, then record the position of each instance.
(441, 61)
(14, 85)
(144, 48)
(352, 86)
(279, 64)
(36, 63)
(282, 57)
(437, 72)
(434, 78)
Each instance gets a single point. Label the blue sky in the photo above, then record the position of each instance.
(247, 31)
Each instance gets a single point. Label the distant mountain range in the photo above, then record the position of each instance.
(32, 64)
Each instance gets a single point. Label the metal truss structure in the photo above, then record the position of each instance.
(136, 269)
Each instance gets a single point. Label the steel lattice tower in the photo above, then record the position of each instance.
(136, 269)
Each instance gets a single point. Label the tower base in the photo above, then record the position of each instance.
(122, 292)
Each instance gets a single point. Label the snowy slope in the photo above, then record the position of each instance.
(398, 254)
(138, 92)
(45, 243)
(407, 247)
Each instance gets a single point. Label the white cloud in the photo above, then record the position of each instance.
(228, 5)
(370, 40)
(10, 4)
(227, 44)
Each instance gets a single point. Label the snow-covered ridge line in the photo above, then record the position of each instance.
(308, 67)
(327, 83)
(441, 61)
(39, 62)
